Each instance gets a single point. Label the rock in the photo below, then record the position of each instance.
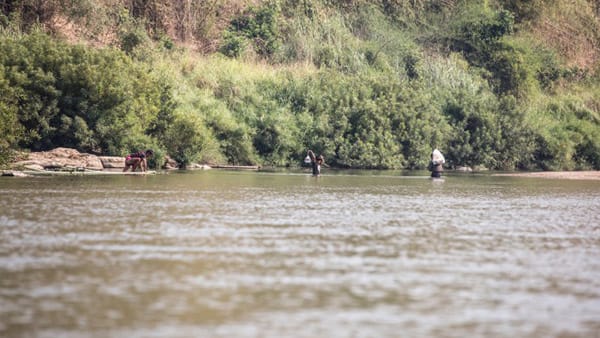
(109, 162)
(13, 173)
(71, 159)
(193, 166)
(33, 166)
(170, 163)
(61, 158)
(92, 162)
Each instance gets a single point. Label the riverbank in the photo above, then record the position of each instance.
(564, 175)
(64, 161)
(67, 161)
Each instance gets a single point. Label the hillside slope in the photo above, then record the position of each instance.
(572, 29)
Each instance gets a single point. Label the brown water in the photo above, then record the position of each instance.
(282, 254)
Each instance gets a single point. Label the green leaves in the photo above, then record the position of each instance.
(186, 138)
(256, 27)
(68, 95)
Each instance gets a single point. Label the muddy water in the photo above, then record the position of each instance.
(283, 254)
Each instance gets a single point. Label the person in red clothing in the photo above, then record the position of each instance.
(138, 160)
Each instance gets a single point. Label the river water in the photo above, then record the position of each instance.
(284, 254)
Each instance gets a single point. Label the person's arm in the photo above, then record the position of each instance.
(311, 155)
(144, 164)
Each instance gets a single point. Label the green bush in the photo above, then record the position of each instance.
(234, 140)
(480, 35)
(68, 95)
(233, 45)
(258, 25)
(11, 130)
(526, 10)
(186, 138)
(570, 136)
(515, 140)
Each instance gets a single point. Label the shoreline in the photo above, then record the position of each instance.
(563, 175)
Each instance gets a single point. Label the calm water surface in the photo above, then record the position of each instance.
(282, 254)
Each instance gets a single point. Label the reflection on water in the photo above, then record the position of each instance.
(282, 254)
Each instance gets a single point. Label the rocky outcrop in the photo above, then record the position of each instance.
(67, 158)
(110, 162)
(60, 158)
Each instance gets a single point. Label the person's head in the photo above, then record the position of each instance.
(149, 153)
(320, 158)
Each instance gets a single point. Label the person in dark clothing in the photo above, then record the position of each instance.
(316, 162)
(436, 164)
(138, 160)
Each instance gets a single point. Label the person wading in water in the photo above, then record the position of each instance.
(316, 162)
(436, 164)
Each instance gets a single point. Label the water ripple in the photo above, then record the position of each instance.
(224, 254)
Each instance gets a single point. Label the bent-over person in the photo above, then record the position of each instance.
(138, 160)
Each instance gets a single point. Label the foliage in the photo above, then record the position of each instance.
(526, 10)
(570, 138)
(478, 34)
(186, 138)
(69, 95)
(258, 26)
(10, 129)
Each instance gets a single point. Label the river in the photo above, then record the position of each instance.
(284, 254)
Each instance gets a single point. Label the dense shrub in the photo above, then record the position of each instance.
(515, 140)
(257, 25)
(478, 34)
(524, 10)
(10, 129)
(185, 138)
(70, 95)
(570, 136)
